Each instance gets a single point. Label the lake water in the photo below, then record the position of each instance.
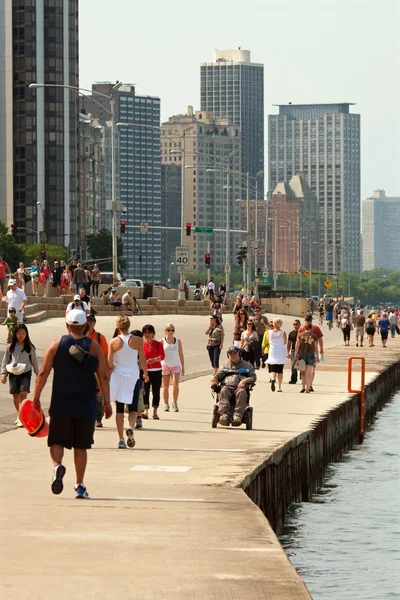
(346, 542)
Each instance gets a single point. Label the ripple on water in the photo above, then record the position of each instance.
(345, 543)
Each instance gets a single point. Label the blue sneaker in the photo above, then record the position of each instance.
(81, 492)
(57, 485)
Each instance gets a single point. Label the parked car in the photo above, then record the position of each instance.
(107, 277)
(134, 283)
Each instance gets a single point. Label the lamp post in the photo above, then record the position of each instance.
(256, 237)
(112, 112)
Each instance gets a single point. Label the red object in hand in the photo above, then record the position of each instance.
(33, 419)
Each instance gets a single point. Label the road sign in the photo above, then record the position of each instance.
(144, 227)
(307, 273)
(265, 273)
(204, 229)
(182, 268)
(182, 257)
(327, 283)
(265, 280)
(227, 268)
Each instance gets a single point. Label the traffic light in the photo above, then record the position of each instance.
(242, 254)
(13, 231)
(207, 260)
(258, 271)
(122, 226)
(188, 229)
(140, 257)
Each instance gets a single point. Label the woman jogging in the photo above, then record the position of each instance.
(173, 366)
(18, 361)
(123, 353)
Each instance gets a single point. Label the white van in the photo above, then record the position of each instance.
(107, 277)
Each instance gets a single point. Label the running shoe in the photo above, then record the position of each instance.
(130, 442)
(166, 407)
(237, 421)
(139, 423)
(224, 420)
(121, 445)
(81, 492)
(18, 423)
(273, 385)
(57, 485)
(175, 407)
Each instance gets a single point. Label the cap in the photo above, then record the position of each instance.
(76, 317)
(77, 297)
(12, 309)
(11, 282)
(233, 349)
(91, 319)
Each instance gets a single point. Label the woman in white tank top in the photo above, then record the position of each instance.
(123, 353)
(172, 366)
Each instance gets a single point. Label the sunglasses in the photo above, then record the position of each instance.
(296, 324)
(170, 330)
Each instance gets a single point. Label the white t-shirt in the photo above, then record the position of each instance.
(81, 306)
(393, 318)
(211, 286)
(126, 298)
(15, 298)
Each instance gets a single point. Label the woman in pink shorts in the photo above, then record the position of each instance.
(172, 366)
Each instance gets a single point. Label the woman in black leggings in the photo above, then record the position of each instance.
(154, 353)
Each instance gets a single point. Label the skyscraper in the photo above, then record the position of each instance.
(40, 127)
(138, 175)
(323, 142)
(233, 87)
(209, 144)
(380, 231)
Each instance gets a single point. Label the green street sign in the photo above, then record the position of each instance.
(265, 280)
(204, 229)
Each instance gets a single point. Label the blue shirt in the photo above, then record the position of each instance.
(384, 324)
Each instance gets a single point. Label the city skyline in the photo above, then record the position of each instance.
(357, 70)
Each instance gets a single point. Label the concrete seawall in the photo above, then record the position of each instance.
(296, 470)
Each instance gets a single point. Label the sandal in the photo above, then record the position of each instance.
(145, 416)
(156, 417)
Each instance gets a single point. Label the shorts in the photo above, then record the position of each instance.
(360, 331)
(55, 284)
(134, 405)
(122, 386)
(171, 370)
(20, 383)
(71, 432)
(329, 316)
(384, 335)
(276, 368)
(309, 359)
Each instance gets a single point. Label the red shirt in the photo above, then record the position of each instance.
(3, 267)
(152, 351)
(314, 329)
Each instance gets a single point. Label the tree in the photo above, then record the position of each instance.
(32, 251)
(9, 250)
(100, 248)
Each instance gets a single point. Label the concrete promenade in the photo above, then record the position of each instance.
(167, 518)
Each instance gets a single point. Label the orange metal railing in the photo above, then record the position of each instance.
(360, 391)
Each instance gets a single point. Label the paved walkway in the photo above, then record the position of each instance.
(164, 518)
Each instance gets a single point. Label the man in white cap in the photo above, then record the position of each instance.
(76, 360)
(78, 304)
(16, 298)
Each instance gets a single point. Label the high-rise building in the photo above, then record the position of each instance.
(380, 232)
(232, 87)
(137, 177)
(210, 145)
(323, 142)
(171, 196)
(293, 227)
(90, 145)
(39, 143)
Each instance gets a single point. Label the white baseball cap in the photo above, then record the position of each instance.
(77, 297)
(11, 282)
(76, 317)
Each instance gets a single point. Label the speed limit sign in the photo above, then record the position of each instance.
(182, 257)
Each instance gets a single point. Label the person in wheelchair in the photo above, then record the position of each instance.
(234, 378)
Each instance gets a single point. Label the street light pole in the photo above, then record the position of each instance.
(256, 238)
(275, 248)
(248, 277)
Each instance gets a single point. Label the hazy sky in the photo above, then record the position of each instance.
(313, 51)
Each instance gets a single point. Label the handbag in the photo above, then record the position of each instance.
(27, 278)
(300, 364)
